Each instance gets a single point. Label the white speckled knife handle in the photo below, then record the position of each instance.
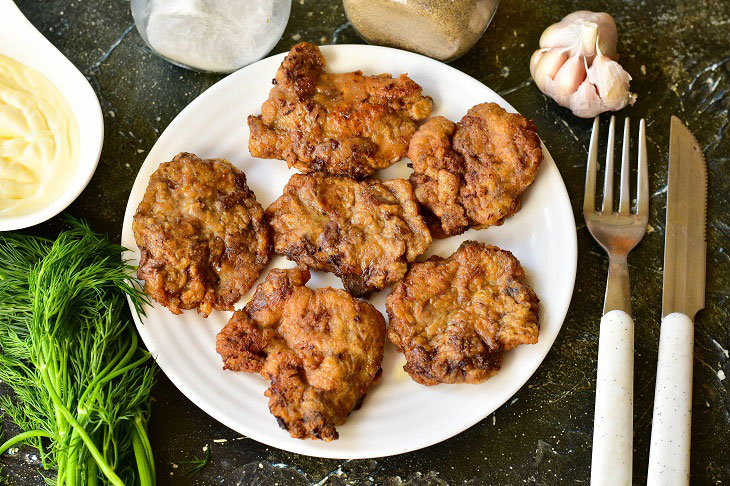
(671, 425)
(613, 426)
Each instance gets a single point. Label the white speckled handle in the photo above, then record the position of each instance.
(613, 425)
(672, 422)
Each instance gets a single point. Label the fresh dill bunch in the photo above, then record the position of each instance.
(71, 355)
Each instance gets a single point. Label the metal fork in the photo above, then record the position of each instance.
(618, 232)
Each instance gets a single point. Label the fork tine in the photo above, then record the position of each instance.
(608, 178)
(589, 197)
(642, 193)
(624, 204)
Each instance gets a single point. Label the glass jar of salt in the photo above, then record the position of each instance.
(442, 29)
(211, 35)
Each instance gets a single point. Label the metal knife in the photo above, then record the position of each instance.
(685, 252)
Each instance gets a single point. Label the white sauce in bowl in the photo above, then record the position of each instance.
(39, 140)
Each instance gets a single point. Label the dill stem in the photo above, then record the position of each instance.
(22, 438)
(144, 468)
(141, 433)
(68, 472)
(92, 473)
(62, 468)
(46, 369)
(71, 457)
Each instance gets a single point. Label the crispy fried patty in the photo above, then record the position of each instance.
(471, 174)
(366, 231)
(321, 349)
(453, 317)
(202, 235)
(346, 124)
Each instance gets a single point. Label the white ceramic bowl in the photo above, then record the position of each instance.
(21, 41)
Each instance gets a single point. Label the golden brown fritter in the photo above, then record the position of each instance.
(202, 235)
(453, 317)
(345, 124)
(365, 232)
(321, 349)
(471, 174)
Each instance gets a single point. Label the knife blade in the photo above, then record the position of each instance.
(685, 248)
(685, 252)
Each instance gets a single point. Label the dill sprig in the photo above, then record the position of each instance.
(197, 463)
(72, 357)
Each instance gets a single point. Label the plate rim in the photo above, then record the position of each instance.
(286, 443)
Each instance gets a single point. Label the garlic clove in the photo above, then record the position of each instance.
(611, 81)
(579, 32)
(579, 37)
(547, 66)
(535, 59)
(585, 102)
(570, 75)
(607, 36)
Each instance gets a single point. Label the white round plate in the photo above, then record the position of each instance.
(398, 414)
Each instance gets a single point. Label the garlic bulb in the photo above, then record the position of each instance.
(576, 65)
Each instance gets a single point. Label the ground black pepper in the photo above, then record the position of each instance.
(442, 29)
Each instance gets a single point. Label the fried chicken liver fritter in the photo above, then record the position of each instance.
(202, 235)
(471, 174)
(346, 124)
(321, 349)
(366, 232)
(453, 317)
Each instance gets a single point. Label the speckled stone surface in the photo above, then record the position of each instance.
(679, 55)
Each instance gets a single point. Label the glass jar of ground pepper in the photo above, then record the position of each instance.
(442, 29)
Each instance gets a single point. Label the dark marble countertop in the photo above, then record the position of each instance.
(678, 53)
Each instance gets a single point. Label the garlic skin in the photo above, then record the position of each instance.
(576, 65)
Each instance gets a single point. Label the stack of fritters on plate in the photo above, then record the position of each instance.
(204, 240)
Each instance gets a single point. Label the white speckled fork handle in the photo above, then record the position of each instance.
(613, 426)
(671, 425)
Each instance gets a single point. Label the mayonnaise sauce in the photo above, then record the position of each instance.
(39, 140)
